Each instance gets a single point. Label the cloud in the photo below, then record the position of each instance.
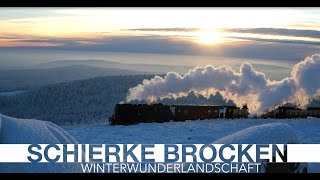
(262, 31)
(166, 29)
(258, 31)
(316, 43)
(253, 48)
(139, 44)
(244, 86)
(277, 31)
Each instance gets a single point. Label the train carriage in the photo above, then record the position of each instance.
(126, 114)
(292, 112)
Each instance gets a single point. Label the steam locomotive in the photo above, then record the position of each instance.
(126, 114)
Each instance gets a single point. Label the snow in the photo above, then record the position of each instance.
(271, 133)
(12, 93)
(29, 131)
(263, 131)
(204, 132)
(25, 131)
(192, 132)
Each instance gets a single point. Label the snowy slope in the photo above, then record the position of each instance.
(271, 133)
(19, 131)
(27, 131)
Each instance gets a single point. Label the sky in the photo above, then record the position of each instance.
(267, 33)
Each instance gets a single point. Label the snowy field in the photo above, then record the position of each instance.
(256, 131)
(200, 132)
(190, 132)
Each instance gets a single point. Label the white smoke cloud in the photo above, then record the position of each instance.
(246, 86)
(307, 75)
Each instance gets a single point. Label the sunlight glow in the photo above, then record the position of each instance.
(208, 37)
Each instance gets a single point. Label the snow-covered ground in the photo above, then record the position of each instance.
(270, 131)
(30, 131)
(190, 132)
(201, 131)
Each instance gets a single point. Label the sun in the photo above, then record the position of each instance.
(208, 37)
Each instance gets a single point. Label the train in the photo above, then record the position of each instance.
(282, 112)
(126, 114)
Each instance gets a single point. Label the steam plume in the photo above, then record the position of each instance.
(245, 86)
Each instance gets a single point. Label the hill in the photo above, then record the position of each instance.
(29, 78)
